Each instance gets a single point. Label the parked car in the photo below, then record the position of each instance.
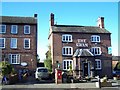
(41, 73)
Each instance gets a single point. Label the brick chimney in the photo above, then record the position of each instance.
(52, 19)
(100, 22)
(35, 15)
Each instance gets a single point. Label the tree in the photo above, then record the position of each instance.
(6, 68)
(48, 60)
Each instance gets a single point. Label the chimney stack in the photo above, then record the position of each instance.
(35, 15)
(52, 19)
(100, 22)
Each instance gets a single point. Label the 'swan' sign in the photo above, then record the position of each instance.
(81, 43)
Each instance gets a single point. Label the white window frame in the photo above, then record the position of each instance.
(67, 52)
(2, 30)
(12, 29)
(11, 43)
(25, 45)
(98, 64)
(66, 66)
(94, 38)
(97, 48)
(25, 29)
(17, 58)
(3, 43)
(65, 36)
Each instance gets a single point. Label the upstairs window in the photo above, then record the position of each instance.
(95, 38)
(67, 50)
(27, 43)
(2, 42)
(97, 64)
(96, 50)
(27, 29)
(2, 29)
(13, 43)
(67, 38)
(14, 29)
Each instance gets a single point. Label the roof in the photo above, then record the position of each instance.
(80, 29)
(13, 19)
(82, 52)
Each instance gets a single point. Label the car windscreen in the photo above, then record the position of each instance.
(42, 70)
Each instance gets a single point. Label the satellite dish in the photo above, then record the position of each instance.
(24, 64)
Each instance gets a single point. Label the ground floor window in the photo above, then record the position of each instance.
(14, 58)
(98, 64)
(67, 64)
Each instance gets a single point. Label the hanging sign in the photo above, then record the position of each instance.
(109, 50)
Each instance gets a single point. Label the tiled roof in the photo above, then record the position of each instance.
(82, 52)
(80, 29)
(13, 19)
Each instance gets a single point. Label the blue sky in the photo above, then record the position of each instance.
(78, 13)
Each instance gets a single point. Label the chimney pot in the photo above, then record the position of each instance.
(35, 15)
(100, 22)
(52, 19)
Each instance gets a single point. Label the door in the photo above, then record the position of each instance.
(85, 66)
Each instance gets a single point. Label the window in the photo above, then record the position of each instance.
(13, 43)
(67, 50)
(26, 29)
(14, 29)
(96, 50)
(2, 42)
(27, 43)
(14, 58)
(2, 28)
(97, 64)
(67, 64)
(67, 38)
(95, 38)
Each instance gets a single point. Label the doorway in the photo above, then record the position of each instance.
(85, 69)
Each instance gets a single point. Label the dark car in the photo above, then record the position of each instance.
(116, 73)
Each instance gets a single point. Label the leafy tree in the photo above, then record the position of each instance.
(48, 60)
(6, 68)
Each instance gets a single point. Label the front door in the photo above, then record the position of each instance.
(85, 66)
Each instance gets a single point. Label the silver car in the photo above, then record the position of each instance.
(41, 73)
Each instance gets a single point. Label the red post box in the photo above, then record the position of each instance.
(58, 76)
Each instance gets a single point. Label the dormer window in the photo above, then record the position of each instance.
(95, 38)
(66, 38)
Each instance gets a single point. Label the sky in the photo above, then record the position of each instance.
(68, 13)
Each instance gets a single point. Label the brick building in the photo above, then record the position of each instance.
(85, 48)
(18, 41)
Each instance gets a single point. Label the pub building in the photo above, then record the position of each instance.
(85, 48)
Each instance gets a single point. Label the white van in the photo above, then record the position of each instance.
(41, 73)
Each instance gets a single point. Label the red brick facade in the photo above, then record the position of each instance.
(25, 55)
(57, 44)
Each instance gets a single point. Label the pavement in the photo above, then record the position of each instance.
(32, 84)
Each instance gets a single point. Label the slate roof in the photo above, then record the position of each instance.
(82, 52)
(80, 29)
(20, 20)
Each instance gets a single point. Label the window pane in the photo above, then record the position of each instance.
(2, 28)
(27, 43)
(27, 29)
(64, 65)
(63, 38)
(13, 43)
(2, 42)
(14, 29)
(67, 64)
(66, 38)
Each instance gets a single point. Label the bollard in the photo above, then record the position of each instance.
(98, 83)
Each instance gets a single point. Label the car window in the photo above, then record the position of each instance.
(42, 70)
